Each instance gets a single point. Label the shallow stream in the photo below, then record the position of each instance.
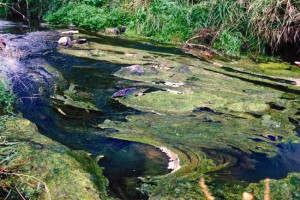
(124, 161)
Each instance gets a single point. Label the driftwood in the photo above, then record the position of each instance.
(200, 47)
(70, 32)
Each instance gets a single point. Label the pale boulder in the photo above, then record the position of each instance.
(65, 41)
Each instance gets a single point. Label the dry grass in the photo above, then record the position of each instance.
(276, 22)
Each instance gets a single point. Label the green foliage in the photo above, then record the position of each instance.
(84, 16)
(88, 16)
(95, 2)
(225, 13)
(163, 20)
(229, 42)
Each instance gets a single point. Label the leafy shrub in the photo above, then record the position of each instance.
(163, 20)
(88, 17)
(82, 15)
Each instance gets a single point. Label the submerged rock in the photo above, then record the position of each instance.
(70, 32)
(72, 26)
(172, 84)
(81, 41)
(123, 92)
(136, 69)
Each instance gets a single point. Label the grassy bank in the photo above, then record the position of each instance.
(232, 27)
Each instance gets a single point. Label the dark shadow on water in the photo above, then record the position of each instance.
(139, 44)
(256, 167)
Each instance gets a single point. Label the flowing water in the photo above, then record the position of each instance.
(123, 161)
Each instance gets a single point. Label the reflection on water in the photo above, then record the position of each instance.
(133, 161)
(256, 167)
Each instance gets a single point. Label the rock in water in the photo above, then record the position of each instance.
(72, 26)
(123, 29)
(2, 44)
(65, 41)
(136, 69)
(123, 92)
(81, 41)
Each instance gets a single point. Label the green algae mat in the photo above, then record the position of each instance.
(204, 112)
(36, 167)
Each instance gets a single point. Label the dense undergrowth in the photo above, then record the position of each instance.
(232, 27)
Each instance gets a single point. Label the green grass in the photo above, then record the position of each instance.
(162, 20)
(6, 99)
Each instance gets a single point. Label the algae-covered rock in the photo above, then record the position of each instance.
(73, 103)
(44, 169)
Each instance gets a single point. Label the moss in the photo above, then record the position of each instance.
(287, 188)
(276, 68)
(47, 169)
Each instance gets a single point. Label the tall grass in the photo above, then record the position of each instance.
(230, 26)
(274, 22)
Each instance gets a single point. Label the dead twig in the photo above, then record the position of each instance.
(267, 189)
(19, 193)
(205, 190)
(6, 172)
